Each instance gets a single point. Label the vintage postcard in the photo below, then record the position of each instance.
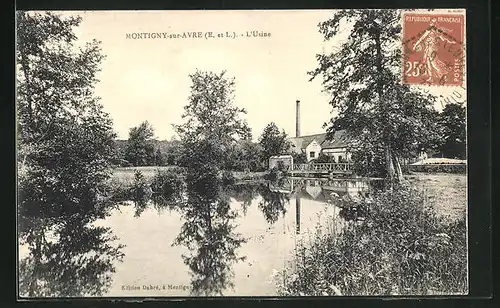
(241, 153)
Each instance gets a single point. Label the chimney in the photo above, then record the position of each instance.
(297, 119)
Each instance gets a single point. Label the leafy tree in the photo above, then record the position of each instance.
(299, 158)
(246, 156)
(65, 139)
(159, 159)
(173, 152)
(212, 123)
(323, 158)
(452, 120)
(363, 78)
(273, 141)
(140, 150)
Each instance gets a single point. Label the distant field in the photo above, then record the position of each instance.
(447, 191)
(126, 174)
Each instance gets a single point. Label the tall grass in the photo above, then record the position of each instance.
(400, 248)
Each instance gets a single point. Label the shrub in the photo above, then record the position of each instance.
(401, 248)
(227, 177)
(299, 158)
(169, 184)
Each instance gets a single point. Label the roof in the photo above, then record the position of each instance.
(303, 141)
(339, 140)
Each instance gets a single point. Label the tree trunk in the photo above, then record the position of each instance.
(399, 172)
(382, 107)
(389, 164)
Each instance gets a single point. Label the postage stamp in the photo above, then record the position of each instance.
(433, 49)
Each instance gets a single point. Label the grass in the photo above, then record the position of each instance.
(125, 175)
(446, 191)
(248, 176)
(402, 247)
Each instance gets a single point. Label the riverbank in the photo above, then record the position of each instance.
(412, 241)
(125, 175)
(447, 191)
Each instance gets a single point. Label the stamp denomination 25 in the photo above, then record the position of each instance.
(433, 49)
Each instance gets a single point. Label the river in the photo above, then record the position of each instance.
(222, 241)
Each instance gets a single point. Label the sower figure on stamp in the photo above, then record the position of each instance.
(434, 68)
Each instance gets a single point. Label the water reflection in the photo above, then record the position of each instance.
(334, 191)
(244, 193)
(208, 233)
(208, 229)
(68, 257)
(273, 203)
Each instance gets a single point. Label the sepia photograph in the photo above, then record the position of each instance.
(224, 153)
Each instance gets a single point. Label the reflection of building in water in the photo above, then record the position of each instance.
(297, 213)
(320, 189)
(317, 189)
(314, 191)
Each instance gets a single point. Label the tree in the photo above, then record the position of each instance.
(299, 158)
(140, 150)
(159, 159)
(273, 141)
(452, 120)
(173, 152)
(246, 156)
(65, 138)
(363, 77)
(212, 123)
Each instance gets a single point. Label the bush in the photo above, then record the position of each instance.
(141, 189)
(169, 184)
(323, 158)
(369, 162)
(227, 177)
(401, 248)
(299, 158)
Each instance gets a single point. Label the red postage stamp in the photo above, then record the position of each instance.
(433, 49)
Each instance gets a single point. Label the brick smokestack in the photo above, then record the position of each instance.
(297, 119)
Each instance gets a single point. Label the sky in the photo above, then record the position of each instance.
(148, 79)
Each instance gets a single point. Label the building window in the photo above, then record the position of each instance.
(312, 154)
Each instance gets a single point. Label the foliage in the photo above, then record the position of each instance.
(273, 203)
(273, 142)
(452, 120)
(141, 189)
(209, 235)
(369, 161)
(140, 150)
(401, 248)
(363, 78)
(246, 156)
(277, 172)
(212, 124)
(65, 138)
(299, 158)
(172, 153)
(323, 158)
(68, 267)
(227, 177)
